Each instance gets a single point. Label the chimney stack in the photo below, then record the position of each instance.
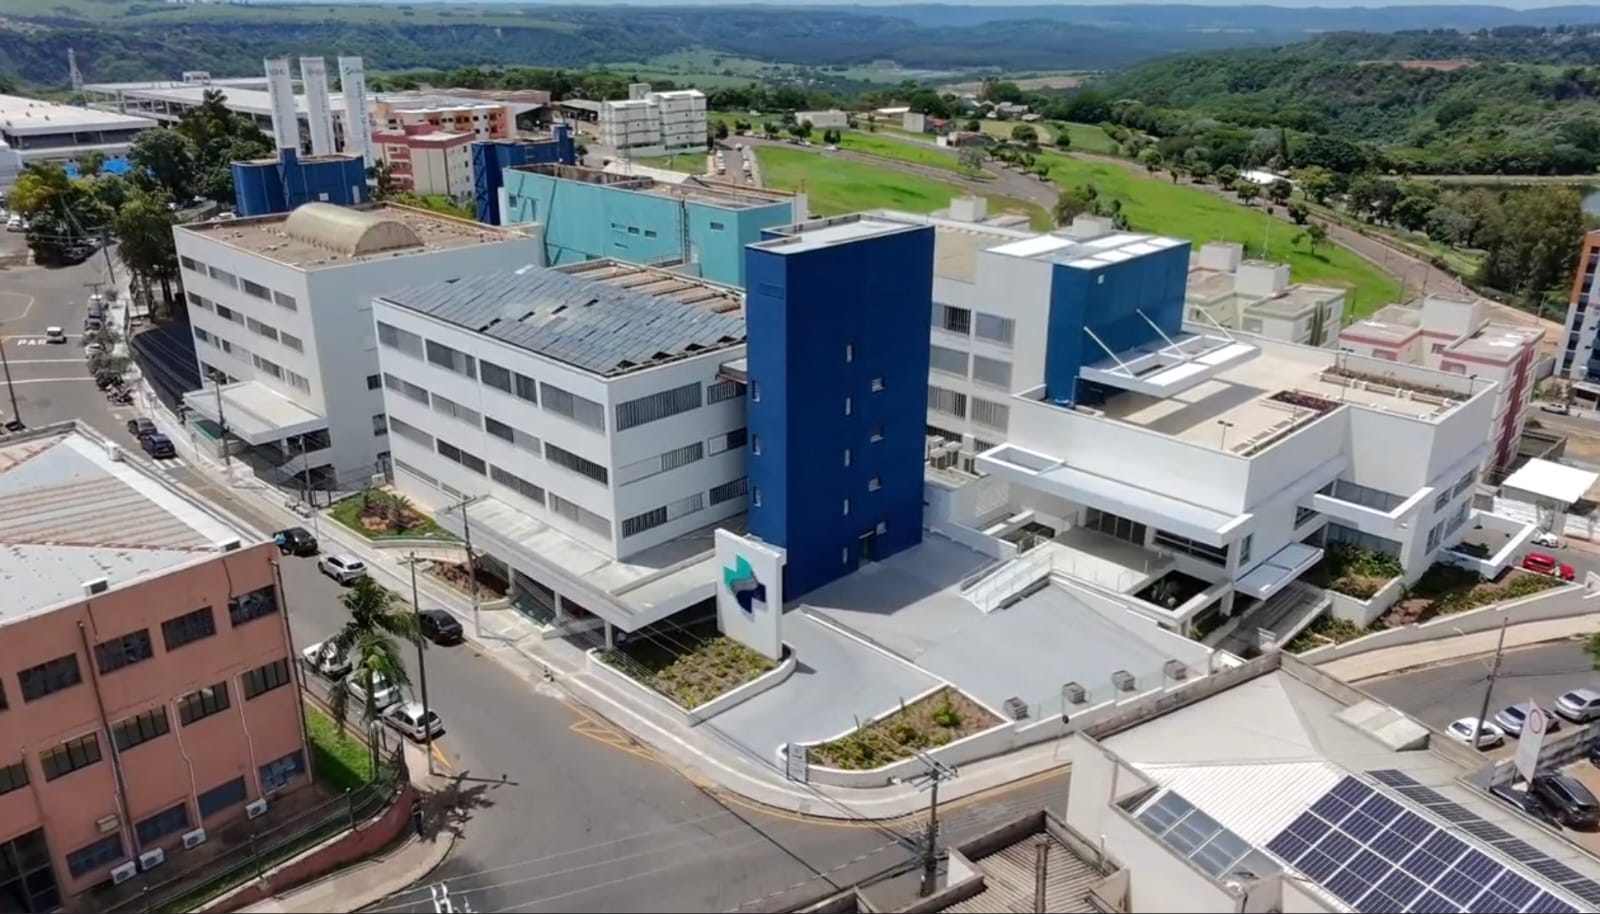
(319, 111)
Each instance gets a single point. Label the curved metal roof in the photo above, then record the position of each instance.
(352, 232)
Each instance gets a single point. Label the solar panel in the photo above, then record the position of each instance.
(1588, 891)
(1199, 838)
(1390, 777)
(1486, 831)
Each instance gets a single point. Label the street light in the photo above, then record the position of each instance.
(422, 666)
(1225, 426)
(472, 565)
(15, 422)
(222, 420)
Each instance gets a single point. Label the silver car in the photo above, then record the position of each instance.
(1579, 705)
(342, 567)
(1511, 719)
(409, 718)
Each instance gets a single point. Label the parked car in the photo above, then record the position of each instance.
(1571, 802)
(324, 660)
(55, 335)
(1541, 563)
(158, 446)
(141, 427)
(1559, 407)
(384, 692)
(410, 718)
(1579, 705)
(1547, 539)
(92, 323)
(1511, 719)
(1487, 736)
(1527, 802)
(440, 627)
(90, 350)
(295, 541)
(16, 223)
(342, 567)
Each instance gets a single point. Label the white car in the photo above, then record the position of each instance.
(325, 661)
(1559, 407)
(1547, 539)
(1488, 735)
(16, 224)
(342, 567)
(384, 692)
(55, 335)
(1579, 705)
(91, 349)
(409, 718)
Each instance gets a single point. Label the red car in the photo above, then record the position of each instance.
(1540, 563)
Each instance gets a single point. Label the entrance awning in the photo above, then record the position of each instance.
(1275, 573)
(254, 412)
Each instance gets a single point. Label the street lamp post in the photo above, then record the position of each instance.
(472, 565)
(16, 414)
(222, 421)
(422, 666)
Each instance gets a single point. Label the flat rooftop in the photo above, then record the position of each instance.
(339, 235)
(1497, 341)
(1088, 253)
(709, 193)
(21, 115)
(1294, 301)
(1392, 323)
(957, 243)
(1255, 398)
(73, 514)
(822, 233)
(602, 316)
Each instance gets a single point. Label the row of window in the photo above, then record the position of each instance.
(246, 286)
(993, 372)
(983, 412)
(293, 378)
(966, 322)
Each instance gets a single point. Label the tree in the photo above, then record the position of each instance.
(1448, 225)
(1227, 176)
(1298, 212)
(1151, 159)
(1412, 212)
(371, 638)
(1025, 134)
(166, 157)
(1279, 191)
(1363, 194)
(1314, 236)
(381, 174)
(770, 129)
(1200, 170)
(91, 163)
(972, 125)
(1063, 139)
(144, 228)
(1246, 191)
(722, 130)
(1591, 646)
(1316, 183)
(1073, 202)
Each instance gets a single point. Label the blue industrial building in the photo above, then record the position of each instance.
(491, 158)
(589, 214)
(262, 187)
(837, 313)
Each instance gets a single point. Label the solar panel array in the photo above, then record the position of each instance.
(1375, 855)
(1194, 835)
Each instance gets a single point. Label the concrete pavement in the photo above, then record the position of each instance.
(1448, 691)
(1388, 661)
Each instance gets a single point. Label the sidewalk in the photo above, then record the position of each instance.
(1410, 656)
(365, 883)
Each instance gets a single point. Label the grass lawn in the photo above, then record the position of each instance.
(339, 760)
(1089, 138)
(690, 666)
(894, 148)
(404, 519)
(1157, 205)
(834, 186)
(693, 163)
(438, 203)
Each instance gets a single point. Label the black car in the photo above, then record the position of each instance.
(440, 627)
(158, 446)
(295, 541)
(1571, 802)
(1527, 802)
(141, 428)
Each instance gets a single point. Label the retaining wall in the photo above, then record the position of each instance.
(710, 709)
(1363, 612)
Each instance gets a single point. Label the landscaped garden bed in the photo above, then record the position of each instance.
(377, 513)
(1358, 573)
(1323, 632)
(934, 720)
(490, 585)
(690, 665)
(1446, 589)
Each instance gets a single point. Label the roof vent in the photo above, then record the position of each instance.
(1016, 708)
(229, 545)
(114, 452)
(94, 586)
(1075, 693)
(1175, 670)
(1123, 681)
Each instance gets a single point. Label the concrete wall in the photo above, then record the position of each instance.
(690, 716)
(1363, 612)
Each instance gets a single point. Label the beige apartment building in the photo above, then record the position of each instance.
(146, 687)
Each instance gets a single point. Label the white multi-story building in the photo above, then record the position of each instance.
(654, 123)
(582, 411)
(1457, 336)
(823, 120)
(39, 131)
(1228, 292)
(281, 315)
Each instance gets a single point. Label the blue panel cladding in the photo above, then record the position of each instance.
(490, 159)
(1113, 301)
(257, 189)
(341, 180)
(717, 236)
(804, 312)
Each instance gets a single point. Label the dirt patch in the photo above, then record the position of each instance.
(942, 717)
(455, 574)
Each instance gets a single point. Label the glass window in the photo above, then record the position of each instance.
(162, 824)
(579, 409)
(994, 328)
(265, 678)
(728, 490)
(276, 774)
(202, 703)
(260, 602)
(140, 728)
(582, 465)
(494, 376)
(13, 777)
(70, 756)
(49, 677)
(91, 857)
(445, 357)
(188, 628)
(222, 797)
(658, 406)
(114, 654)
(402, 340)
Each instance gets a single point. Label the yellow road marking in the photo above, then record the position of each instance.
(439, 757)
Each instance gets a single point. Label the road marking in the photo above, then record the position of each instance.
(33, 339)
(607, 735)
(47, 361)
(438, 756)
(26, 308)
(49, 380)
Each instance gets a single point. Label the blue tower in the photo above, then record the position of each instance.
(265, 186)
(837, 314)
(491, 158)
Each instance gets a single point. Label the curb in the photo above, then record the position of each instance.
(1458, 658)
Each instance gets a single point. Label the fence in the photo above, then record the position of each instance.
(259, 852)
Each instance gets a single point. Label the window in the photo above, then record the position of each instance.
(454, 410)
(13, 776)
(70, 756)
(256, 289)
(450, 452)
(848, 406)
(755, 445)
(994, 415)
(849, 352)
(1339, 533)
(402, 340)
(162, 824)
(297, 381)
(755, 391)
(276, 774)
(657, 406)
(410, 433)
(410, 390)
(263, 601)
(1199, 550)
(190, 264)
(380, 424)
(874, 484)
(1442, 501)
(494, 376)
(846, 456)
(202, 703)
(638, 524)
(1358, 494)
(660, 463)
(527, 388)
(293, 342)
(223, 276)
(284, 301)
(140, 728)
(516, 436)
(374, 381)
(649, 233)
(732, 440)
(949, 361)
(1435, 535)
(91, 857)
(49, 677)
(1244, 548)
(221, 797)
(877, 384)
(755, 497)
(177, 632)
(512, 481)
(877, 434)
(993, 372)
(846, 506)
(265, 678)
(949, 402)
(115, 653)
(723, 390)
(953, 319)
(1464, 483)
(227, 313)
(1304, 516)
(579, 515)
(458, 362)
(564, 458)
(200, 301)
(717, 226)
(729, 490)
(579, 409)
(268, 366)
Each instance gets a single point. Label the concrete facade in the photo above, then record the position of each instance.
(654, 123)
(1579, 361)
(1226, 292)
(41, 131)
(425, 160)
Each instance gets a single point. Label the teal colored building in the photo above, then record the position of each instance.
(589, 214)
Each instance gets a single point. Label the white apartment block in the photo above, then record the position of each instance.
(280, 307)
(823, 120)
(582, 413)
(1227, 292)
(654, 123)
(1457, 336)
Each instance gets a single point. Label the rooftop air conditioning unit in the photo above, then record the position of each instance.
(193, 839)
(151, 859)
(229, 544)
(1175, 670)
(107, 824)
(1075, 693)
(1122, 680)
(1016, 708)
(94, 586)
(124, 872)
(256, 810)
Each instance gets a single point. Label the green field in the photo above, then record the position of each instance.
(1084, 137)
(925, 154)
(340, 761)
(833, 186)
(1156, 205)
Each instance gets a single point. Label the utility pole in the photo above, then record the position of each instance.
(1488, 689)
(222, 421)
(16, 414)
(422, 666)
(935, 771)
(472, 565)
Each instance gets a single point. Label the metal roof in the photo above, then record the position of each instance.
(596, 324)
(349, 231)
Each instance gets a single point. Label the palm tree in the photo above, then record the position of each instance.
(371, 639)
